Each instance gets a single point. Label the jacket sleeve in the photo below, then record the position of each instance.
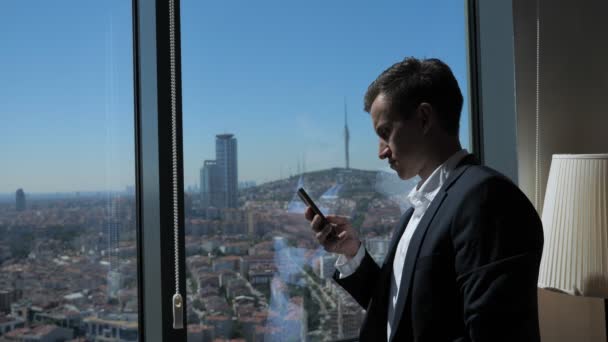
(497, 239)
(360, 284)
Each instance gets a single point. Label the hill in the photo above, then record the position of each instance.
(346, 183)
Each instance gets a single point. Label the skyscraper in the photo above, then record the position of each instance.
(346, 137)
(226, 159)
(20, 200)
(210, 184)
(219, 177)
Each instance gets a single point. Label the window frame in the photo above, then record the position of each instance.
(154, 182)
(492, 85)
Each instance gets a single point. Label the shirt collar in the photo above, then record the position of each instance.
(423, 193)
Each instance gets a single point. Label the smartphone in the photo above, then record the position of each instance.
(332, 236)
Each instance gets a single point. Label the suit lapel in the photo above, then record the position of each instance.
(414, 246)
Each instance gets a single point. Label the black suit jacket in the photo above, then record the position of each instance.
(470, 271)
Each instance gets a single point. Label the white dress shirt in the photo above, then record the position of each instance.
(420, 198)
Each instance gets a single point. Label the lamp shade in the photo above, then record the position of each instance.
(575, 223)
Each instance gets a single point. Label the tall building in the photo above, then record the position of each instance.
(219, 177)
(210, 184)
(346, 137)
(20, 200)
(226, 159)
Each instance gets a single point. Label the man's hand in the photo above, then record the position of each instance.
(347, 242)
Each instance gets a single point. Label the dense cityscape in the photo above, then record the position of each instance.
(254, 271)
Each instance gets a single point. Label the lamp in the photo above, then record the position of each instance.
(575, 223)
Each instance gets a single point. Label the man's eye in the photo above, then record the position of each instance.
(384, 133)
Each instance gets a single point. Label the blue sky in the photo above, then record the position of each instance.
(274, 73)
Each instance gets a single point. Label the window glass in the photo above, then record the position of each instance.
(273, 100)
(67, 207)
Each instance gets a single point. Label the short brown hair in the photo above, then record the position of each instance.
(410, 82)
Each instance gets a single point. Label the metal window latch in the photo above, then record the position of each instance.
(178, 312)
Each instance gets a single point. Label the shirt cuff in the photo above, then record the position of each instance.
(347, 267)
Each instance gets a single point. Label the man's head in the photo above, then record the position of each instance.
(415, 107)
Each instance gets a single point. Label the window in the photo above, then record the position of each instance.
(272, 100)
(68, 254)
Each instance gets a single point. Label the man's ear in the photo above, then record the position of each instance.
(426, 116)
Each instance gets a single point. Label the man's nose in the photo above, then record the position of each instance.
(384, 150)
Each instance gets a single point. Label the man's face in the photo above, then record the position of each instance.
(401, 140)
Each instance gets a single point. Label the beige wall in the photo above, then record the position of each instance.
(573, 119)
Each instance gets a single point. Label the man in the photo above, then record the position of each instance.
(463, 261)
